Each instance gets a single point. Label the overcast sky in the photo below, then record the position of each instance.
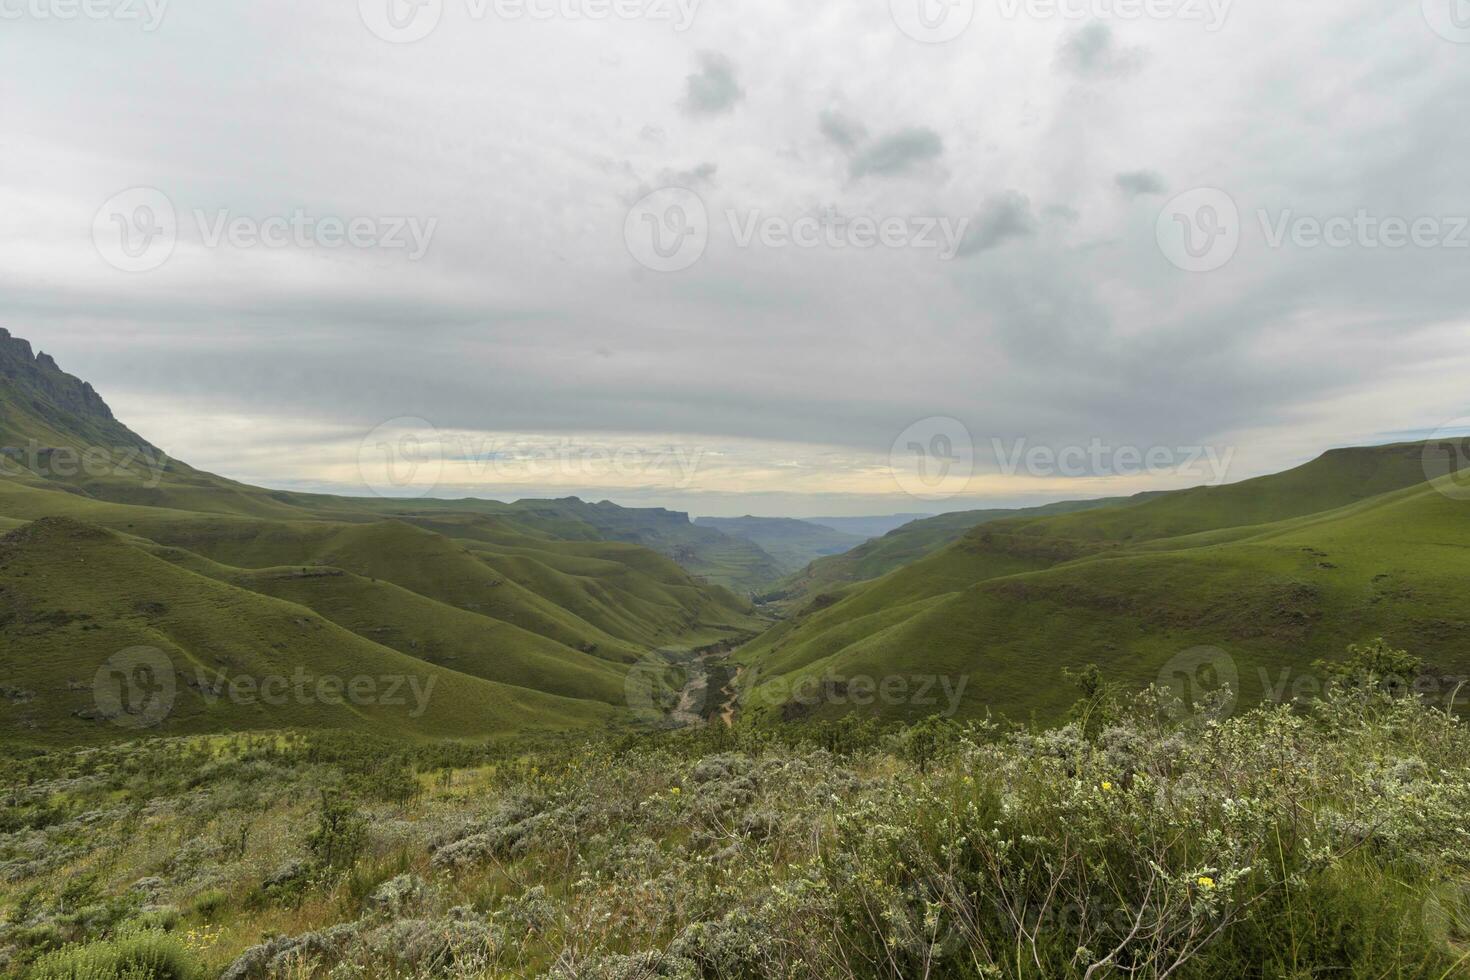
(549, 318)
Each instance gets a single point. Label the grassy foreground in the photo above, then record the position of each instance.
(1326, 841)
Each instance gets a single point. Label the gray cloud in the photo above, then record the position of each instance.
(846, 132)
(1001, 218)
(701, 175)
(1091, 52)
(1067, 323)
(1140, 183)
(713, 89)
(898, 152)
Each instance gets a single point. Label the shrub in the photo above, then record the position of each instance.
(140, 956)
(340, 834)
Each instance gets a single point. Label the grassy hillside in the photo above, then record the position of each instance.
(527, 613)
(73, 596)
(878, 557)
(1250, 569)
(793, 544)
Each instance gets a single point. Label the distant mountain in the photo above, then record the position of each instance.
(1272, 573)
(793, 544)
(517, 616)
(867, 527)
(733, 561)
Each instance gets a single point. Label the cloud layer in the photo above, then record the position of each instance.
(1061, 320)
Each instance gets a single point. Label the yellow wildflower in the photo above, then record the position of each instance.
(1206, 882)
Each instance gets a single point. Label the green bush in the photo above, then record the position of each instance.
(141, 956)
(340, 835)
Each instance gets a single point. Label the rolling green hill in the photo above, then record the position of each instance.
(522, 615)
(1274, 572)
(875, 558)
(793, 544)
(74, 596)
